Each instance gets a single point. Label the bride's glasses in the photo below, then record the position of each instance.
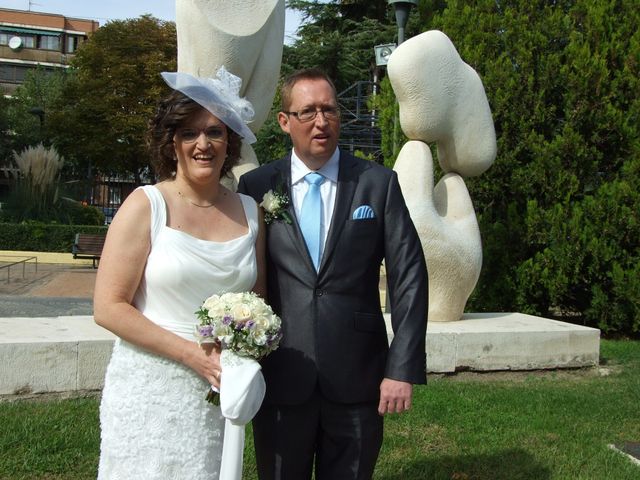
(190, 135)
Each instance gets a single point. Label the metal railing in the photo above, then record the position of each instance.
(23, 261)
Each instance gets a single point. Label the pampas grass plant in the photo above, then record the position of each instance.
(36, 191)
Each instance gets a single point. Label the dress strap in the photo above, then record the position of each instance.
(158, 209)
(251, 212)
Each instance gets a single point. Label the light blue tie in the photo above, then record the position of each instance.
(311, 216)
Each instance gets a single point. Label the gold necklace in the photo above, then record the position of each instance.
(181, 195)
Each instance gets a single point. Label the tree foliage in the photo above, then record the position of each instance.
(339, 37)
(111, 93)
(558, 210)
(25, 112)
(5, 131)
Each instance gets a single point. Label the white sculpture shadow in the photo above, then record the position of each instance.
(247, 38)
(442, 100)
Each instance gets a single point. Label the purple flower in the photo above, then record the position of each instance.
(205, 331)
(227, 319)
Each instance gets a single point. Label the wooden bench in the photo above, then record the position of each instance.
(88, 245)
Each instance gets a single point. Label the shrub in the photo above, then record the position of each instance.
(590, 267)
(42, 237)
(35, 196)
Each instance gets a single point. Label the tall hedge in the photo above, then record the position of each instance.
(558, 210)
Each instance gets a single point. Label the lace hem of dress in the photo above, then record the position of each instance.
(155, 421)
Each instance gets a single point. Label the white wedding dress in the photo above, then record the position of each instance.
(155, 421)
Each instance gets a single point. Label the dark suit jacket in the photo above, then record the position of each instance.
(334, 331)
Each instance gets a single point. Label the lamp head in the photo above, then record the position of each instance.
(402, 8)
(383, 52)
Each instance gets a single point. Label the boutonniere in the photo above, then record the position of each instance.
(275, 206)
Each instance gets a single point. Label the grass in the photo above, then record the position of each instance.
(553, 425)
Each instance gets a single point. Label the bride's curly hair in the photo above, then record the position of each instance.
(172, 113)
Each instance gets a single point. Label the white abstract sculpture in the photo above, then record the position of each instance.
(442, 100)
(247, 38)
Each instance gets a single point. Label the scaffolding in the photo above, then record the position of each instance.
(359, 124)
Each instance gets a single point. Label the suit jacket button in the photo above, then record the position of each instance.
(318, 292)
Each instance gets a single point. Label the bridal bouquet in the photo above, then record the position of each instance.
(240, 322)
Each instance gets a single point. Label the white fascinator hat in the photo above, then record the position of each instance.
(220, 96)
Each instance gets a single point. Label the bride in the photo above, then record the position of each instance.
(172, 245)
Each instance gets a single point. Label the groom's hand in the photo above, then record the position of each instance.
(395, 396)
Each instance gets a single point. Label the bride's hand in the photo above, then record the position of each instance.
(204, 359)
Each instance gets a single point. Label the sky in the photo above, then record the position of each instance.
(105, 10)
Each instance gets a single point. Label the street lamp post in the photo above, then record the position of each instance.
(402, 8)
(39, 112)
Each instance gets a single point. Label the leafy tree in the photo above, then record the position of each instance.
(272, 143)
(339, 38)
(25, 113)
(591, 261)
(101, 118)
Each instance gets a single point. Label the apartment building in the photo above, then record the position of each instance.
(32, 39)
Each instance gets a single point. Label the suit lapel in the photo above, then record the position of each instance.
(347, 183)
(281, 179)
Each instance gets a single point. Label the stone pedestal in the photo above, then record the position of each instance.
(61, 354)
(508, 341)
(56, 354)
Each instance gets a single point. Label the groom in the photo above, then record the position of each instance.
(334, 375)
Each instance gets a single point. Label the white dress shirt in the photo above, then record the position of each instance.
(327, 190)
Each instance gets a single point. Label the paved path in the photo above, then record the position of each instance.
(61, 288)
(15, 306)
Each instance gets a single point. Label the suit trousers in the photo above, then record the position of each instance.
(343, 439)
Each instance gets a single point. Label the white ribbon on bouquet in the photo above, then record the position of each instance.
(242, 390)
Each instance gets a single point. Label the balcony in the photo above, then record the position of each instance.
(34, 55)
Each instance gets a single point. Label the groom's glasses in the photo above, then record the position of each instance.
(309, 114)
(190, 135)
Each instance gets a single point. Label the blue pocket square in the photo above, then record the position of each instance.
(363, 212)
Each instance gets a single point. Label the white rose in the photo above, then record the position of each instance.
(269, 201)
(261, 323)
(210, 302)
(241, 312)
(259, 337)
(217, 310)
(233, 298)
(260, 309)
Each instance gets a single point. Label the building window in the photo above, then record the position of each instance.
(49, 42)
(13, 73)
(28, 41)
(72, 43)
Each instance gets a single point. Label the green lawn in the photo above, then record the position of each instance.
(555, 425)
